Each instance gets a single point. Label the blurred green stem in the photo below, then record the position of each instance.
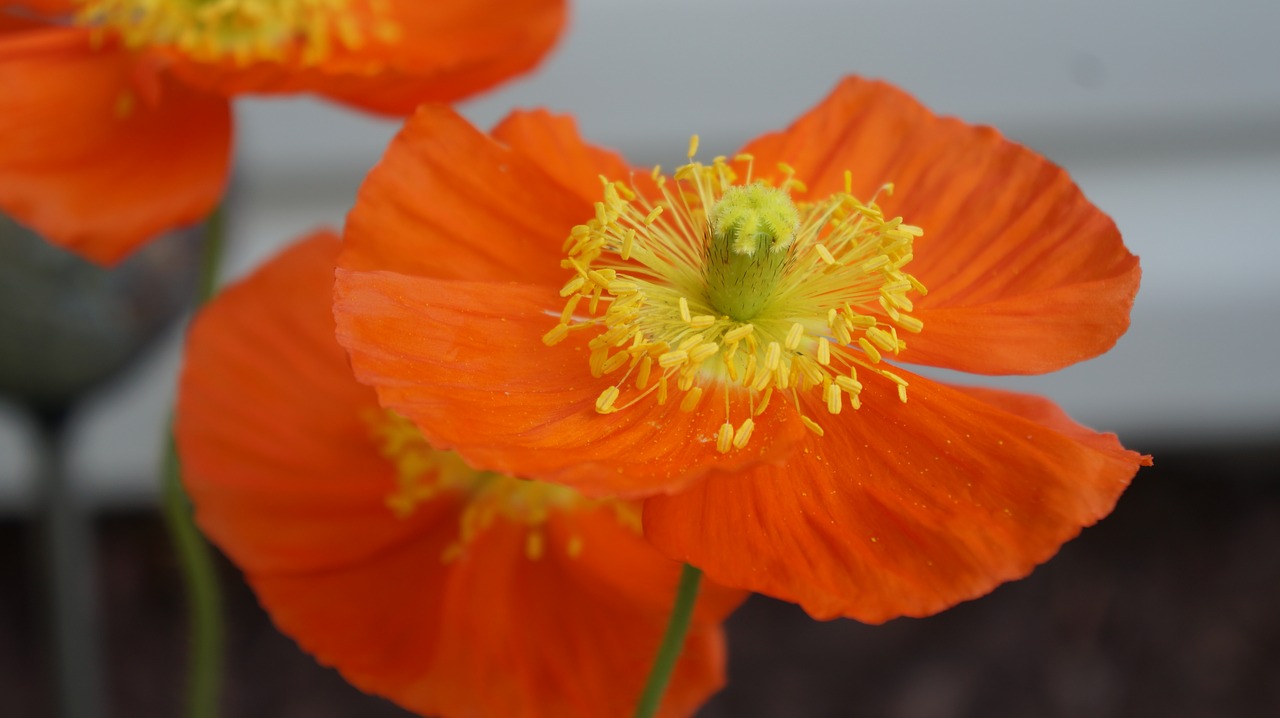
(672, 643)
(204, 599)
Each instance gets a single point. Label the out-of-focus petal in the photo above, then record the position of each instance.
(439, 51)
(100, 151)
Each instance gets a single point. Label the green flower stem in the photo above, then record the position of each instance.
(204, 600)
(200, 578)
(672, 643)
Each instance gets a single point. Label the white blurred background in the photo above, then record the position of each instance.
(1167, 113)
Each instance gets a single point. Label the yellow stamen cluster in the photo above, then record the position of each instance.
(244, 30)
(718, 285)
(423, 473)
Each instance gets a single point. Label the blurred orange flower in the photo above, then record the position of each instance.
(114, 123)
(726, 340)
(453, 592)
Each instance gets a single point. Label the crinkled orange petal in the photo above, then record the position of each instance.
(448, 201)
(582, 635)
(440, 51)
(286, 477)
(100, 152)
(552, 144)
(465, 361)
(266, 399)
(902, 509)
(1024, 274)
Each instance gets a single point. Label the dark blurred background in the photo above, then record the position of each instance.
(1167, 609)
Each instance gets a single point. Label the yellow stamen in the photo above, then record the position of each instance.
(423, 474)
(245, 31)
(738, 289)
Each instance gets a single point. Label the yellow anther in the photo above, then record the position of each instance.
(772, 355)
(702, 321)
(653, 214)
(572, 286)
(642, 374)
(763, 378)
(604, 403)
(893, 377)
(703, 352)
(693, 146)
(743, 434)
(556, 335)
(691, 399)
(764, 402)
(724, 438)
(673, 358)
(685, 316)
(842, 333)
(690, 342)
(832, 395)
(877, 262)
(910, 323)
(869, 350)
(628, 244)
(881, 339)
(824, 351)
(615, 362)
(738, 333)
(824, 253)
(811, 425)
(794, 335)
(853, 386)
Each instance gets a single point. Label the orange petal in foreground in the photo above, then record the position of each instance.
(742, 322)
(452, 592)
(82, 128)
(908, 511)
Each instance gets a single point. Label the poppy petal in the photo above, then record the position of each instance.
(448, 201)
(1024, 274)
(902, 509)
(583, 633)
(465, 361)
(440, 51)
(288, 480)
(552, 143)
(256, 436)
(99, 152)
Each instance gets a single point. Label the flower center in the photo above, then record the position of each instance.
(423, 473)
(244, 30)
(714, 283)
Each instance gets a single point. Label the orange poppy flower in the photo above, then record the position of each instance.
(114, 123)
(726, 340)
(450, 591)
